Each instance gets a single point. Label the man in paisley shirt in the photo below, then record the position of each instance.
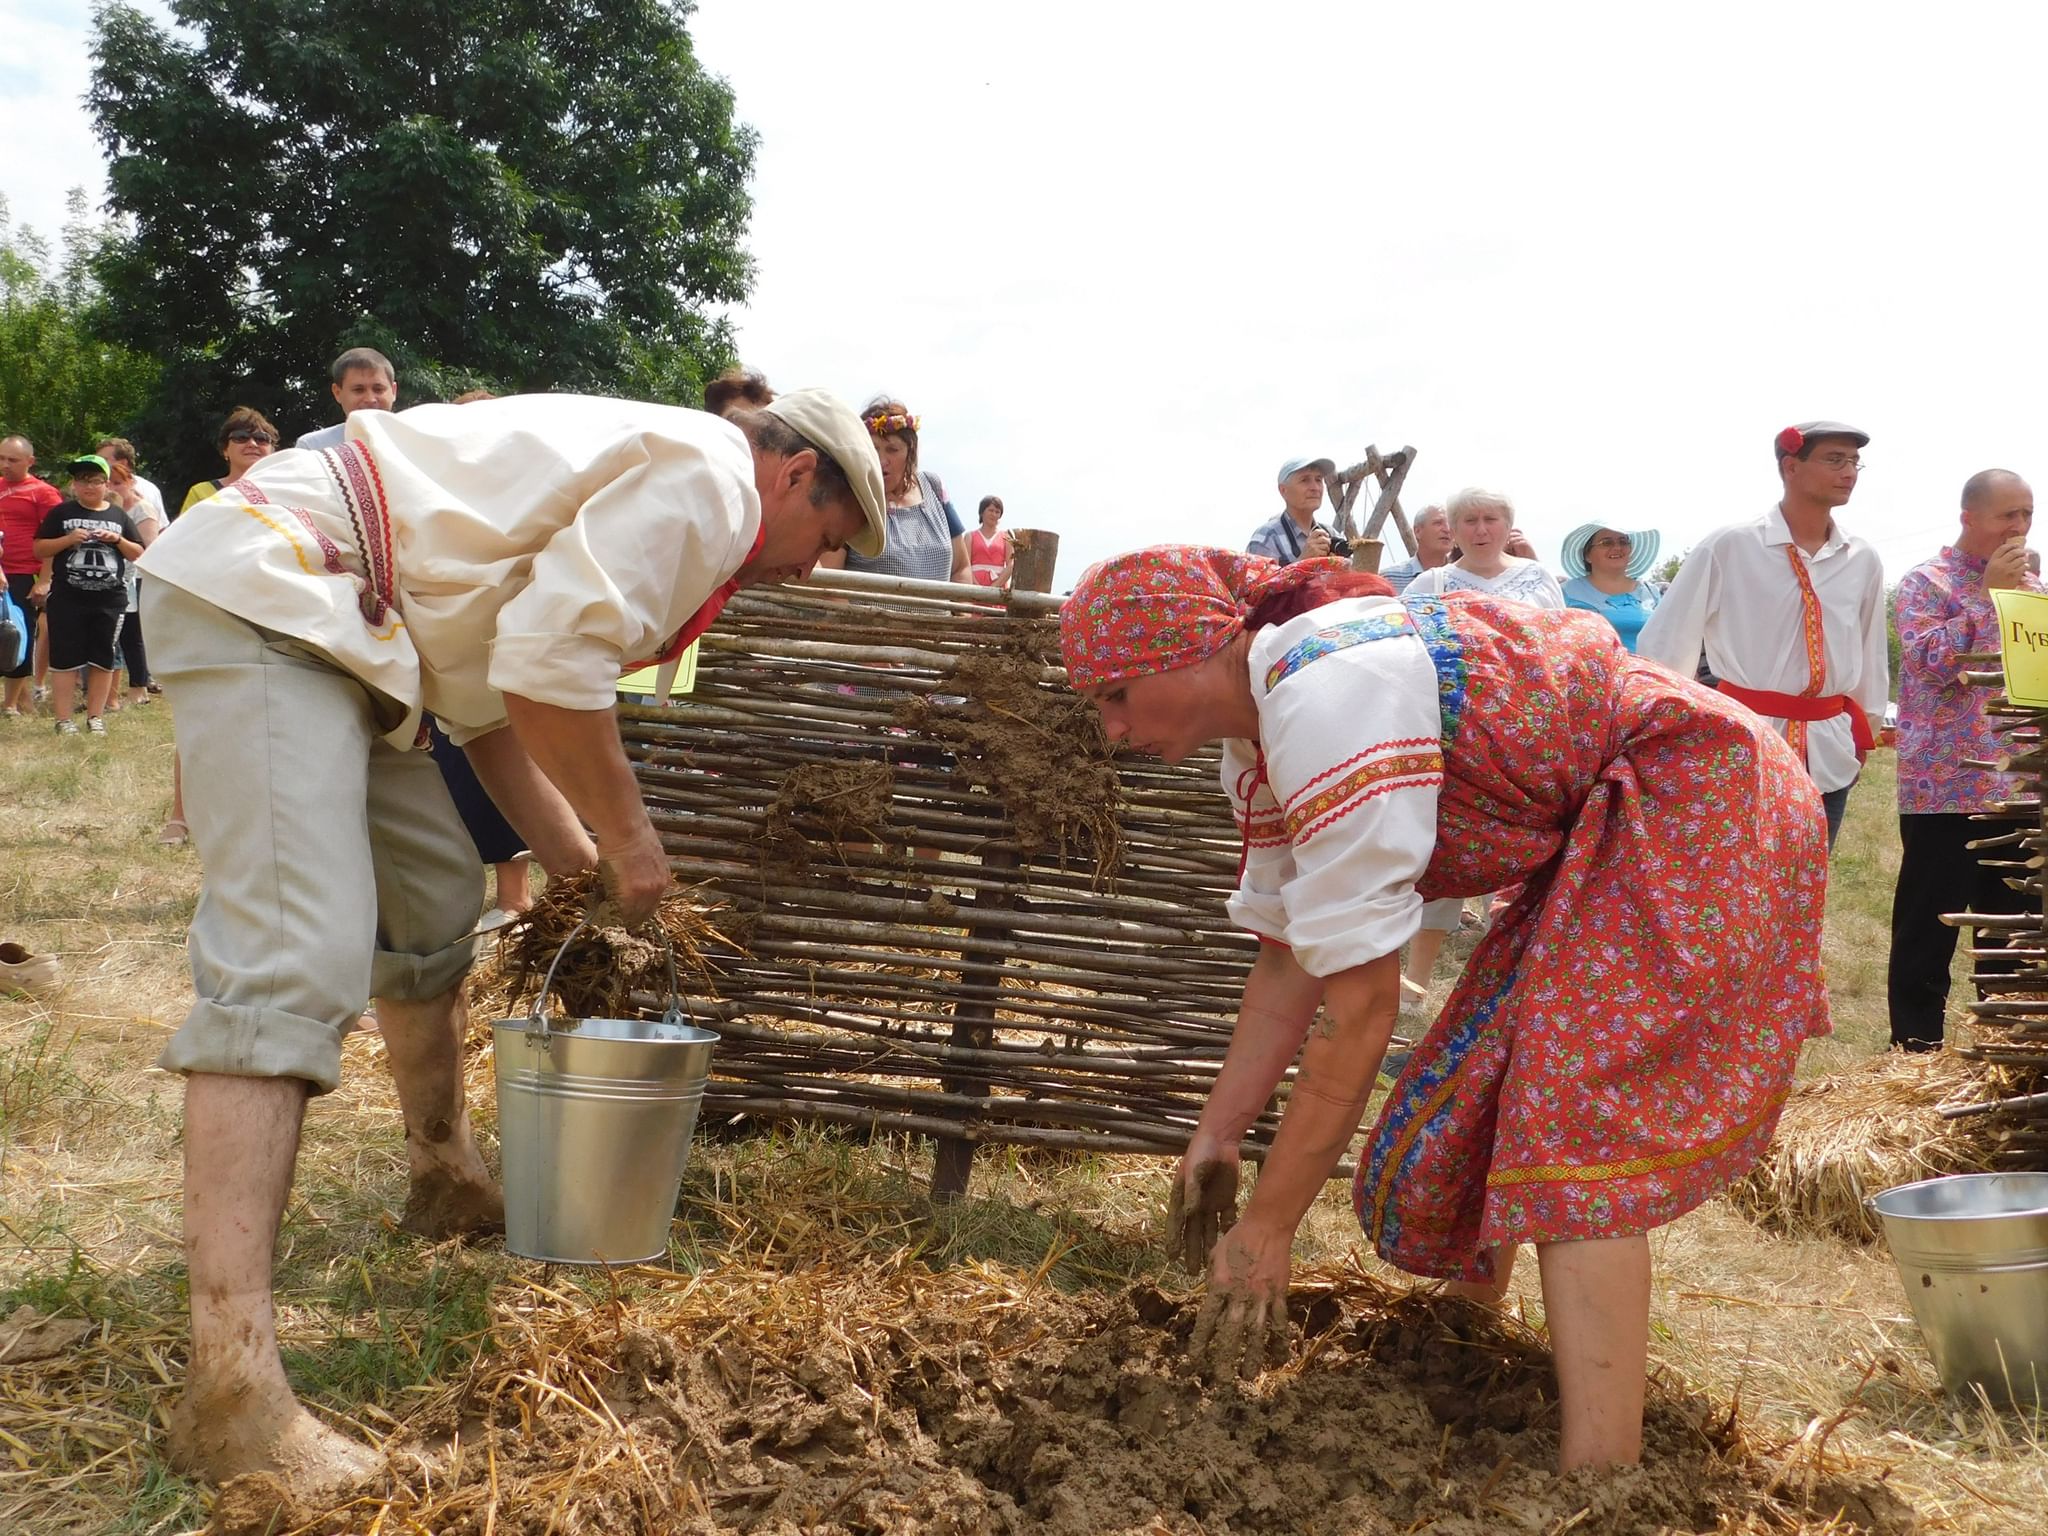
(1944, 610)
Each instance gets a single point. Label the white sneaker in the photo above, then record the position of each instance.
(21, 971)
(96, 725)
(67, 727)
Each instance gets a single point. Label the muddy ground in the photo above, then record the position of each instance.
(1400, 1414)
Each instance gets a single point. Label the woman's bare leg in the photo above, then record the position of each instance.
(514, 892)
(1489, 1293)
(1422, 952)
(1596, 1298)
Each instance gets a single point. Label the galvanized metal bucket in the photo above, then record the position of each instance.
(1972, 1250)
(595, 1118)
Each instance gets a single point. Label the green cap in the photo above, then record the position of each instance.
(88, 461)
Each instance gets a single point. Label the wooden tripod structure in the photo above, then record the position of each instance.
(1388, 472)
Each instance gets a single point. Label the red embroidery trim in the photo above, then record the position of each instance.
(1423, 782)
(1402, 766)
(1430, 742)
(354, 472)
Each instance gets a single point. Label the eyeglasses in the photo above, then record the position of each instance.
(1842, 460)
(1613, 541)
(251, 435)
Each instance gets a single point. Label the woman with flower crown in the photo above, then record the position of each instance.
(927, 540)
(1619, 1046)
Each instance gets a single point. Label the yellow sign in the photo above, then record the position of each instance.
(647, 681)
(2023, 645)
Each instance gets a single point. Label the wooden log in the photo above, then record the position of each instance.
(1037, 552)
(868, 583)
(1397, 467)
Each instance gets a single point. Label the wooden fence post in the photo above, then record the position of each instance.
(974, 1029)
(1038, 550)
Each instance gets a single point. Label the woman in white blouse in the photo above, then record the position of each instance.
(1600, 1069)
(1481, 521)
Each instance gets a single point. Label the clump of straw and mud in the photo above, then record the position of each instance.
(597, 964)
(808, 1382)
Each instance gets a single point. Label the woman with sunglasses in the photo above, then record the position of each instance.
(246, 439)
(1604, 570)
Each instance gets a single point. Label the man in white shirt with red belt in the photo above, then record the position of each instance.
(493, 563)
(1791, 612)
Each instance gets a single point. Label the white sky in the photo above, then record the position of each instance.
(1123, 259)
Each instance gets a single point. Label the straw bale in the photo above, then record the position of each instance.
(1853, 1134)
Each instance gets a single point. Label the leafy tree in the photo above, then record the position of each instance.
(1667, 570)
(61, 386)
(523, 194)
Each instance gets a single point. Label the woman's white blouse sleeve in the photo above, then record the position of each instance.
(1354, 758)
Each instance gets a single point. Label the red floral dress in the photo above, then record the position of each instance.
(1620, 1045)
(1623, 1039)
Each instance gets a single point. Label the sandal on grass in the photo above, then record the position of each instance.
(174, 834)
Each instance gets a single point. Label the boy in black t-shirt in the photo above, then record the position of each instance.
(85, 545)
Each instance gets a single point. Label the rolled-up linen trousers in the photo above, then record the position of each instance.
(336, 868)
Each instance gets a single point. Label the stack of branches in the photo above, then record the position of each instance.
(949, 906)
(2011, 949)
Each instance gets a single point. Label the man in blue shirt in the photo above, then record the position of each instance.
(1433, 546)
(1294, 534)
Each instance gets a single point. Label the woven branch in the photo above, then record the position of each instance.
(933, 898)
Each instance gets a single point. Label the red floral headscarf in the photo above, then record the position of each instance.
(1160, 609)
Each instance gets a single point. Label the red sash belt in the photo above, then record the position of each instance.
(1795, 706)
(705, 616)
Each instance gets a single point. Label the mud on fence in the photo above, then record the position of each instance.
(949, 908)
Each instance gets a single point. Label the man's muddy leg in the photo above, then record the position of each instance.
(452, 1192)
(238, 1414)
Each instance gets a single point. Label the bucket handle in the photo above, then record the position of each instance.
(538, 1019)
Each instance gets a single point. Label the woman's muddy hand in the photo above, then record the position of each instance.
(1242, 1328)
(1203, 1204)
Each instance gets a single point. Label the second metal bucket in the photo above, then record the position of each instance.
(1972, 1251)
(595, 1118)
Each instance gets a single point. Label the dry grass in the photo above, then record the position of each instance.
(1857, 1132)
(1808, 1335)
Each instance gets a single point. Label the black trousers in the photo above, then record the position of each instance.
(1938, 874)
(493, 835)
(133, 657)
(18, 587)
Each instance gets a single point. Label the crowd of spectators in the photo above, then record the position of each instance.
(1786, 613)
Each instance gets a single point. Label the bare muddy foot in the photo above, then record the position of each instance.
(221, 1433)
(442, 1204)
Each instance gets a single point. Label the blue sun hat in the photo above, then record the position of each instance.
(1642, 548)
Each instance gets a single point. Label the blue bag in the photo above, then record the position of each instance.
(15, 633)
